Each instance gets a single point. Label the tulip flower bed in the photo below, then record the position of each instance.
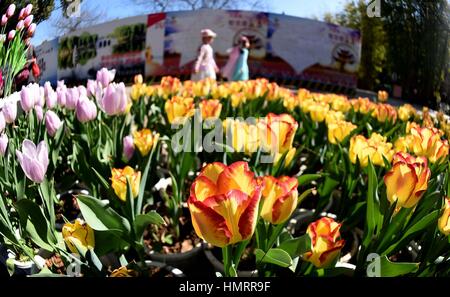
(240, 178)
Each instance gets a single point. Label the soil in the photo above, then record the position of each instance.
(247, 262)
(67, 207)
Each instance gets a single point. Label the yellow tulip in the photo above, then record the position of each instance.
(427, 142)
(144, 140)
(224, 203)
(124, 272)
(237, 99)
(244, 136)
(339, 130)
(210, 108)
(325, 243)
(178, 109)
(444, 220)
(383, 96)
(80, 232)
(318, 111)
(340, 103)
(385, 112)
(363, 105)
(279, 198)
(170, 86)
(403, 143)
(277, 132)
(119, 181)
(407, 181)
(406, 111)
(374, 148)
(333, 116)
(138, 79)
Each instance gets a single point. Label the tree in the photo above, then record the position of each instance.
(87, 17)
(167, 5)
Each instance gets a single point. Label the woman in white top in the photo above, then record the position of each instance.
(205, 66)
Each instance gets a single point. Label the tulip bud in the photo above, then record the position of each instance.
(91, 86)
(210, 109)
(72, 97)
(4, 20)
(82, 90)
(407, 181)
(33, 160)
(78, 233)
(339, 130)
(144, 140)
(61, 95)
(10, 111)
(10, 10)
(31, 29)
(105, 76)
(178, 109)
(86, 110)
(28, 10)
(20, 25)
(2, 122)
(52, 122)
(128, 147)
(279, 198)
(39, 95)
(119, 181)
(325, 243)
(115, 99)
(3, 144)
(22, 14)
(39, 112)
(444, 220)
(26, 98)
(11, 35)
(28, 20)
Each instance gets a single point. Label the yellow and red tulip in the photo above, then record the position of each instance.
(210, 108)
(144, 140)
(427, 142)
(278, 132)
(224, 203)
(178, 109)
(79, 231)
(374, 148)
(385, 112)
(119, 181)
(383, 96)
(406, 111)
(325, 242)
(444, 220)
(279, 198)
(407, 180)
(339, 130)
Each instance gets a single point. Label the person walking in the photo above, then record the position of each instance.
(228, 69)
(205, 66)
(241, 71)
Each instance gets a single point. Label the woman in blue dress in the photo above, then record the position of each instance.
(241, 68)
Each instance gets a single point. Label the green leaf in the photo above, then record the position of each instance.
(144, 180)
(36, 224)
(392, 269)
(101, 217)
(143, 220)
(108, 242)
(274, 256)
(328, 186)
(307, 178)
(374, 218)
(296, 246)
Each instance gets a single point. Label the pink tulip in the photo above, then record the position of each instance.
(61, 95)
(39, 112)
(72, 97)
(128, 147)
(3, 144)
(20, 25)
(90, 87)
(11, 34)
(115, 99)
(105, 76)
(22, 14)
(39, 95)
(86, 110)
(4, 19)
(10, 10)
(9, 111)
(82, 90)
(2, 122)
(28, 20)
(28, 10)
(26, 99)
(51, 99)
(31, 29)
(33, 160)
(52, 122)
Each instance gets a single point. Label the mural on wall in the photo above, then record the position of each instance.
(282, 47)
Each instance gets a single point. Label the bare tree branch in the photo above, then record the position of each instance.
(87, 18)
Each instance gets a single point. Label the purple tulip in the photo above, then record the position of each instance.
(10, 10)
(33, 160)
(105, 76)
(60, 84)
(3, 144)
(82, 90)
(61, 95)
(86, 110)
(115, 99)
(2, 122)
(90, 87)
(128, 147)
(26, 98)
(39, 98)
(39, 112)
(72, 97)
(31, 29)
(28, 20)
(11, 34)
(28, 10)
(9, 111)
(4, 19)
(20, 25)
(52, 122)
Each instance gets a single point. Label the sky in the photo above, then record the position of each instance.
(125, 8)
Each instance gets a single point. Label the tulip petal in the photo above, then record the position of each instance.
(400, 183)
(237, 176)
(212, 171)
(203, 188)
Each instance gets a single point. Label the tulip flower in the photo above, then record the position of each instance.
(3, 143)
(10, 10)
(178, 109)
(407, 181)
(325, 242)
(86, 110)
(427, 142)
(374, 148)
(242, 136)
(406, 111)
(237, 99)
(105, 76)
(72, 97)
(4, 20)
(385, 112)
(90, 87)
(144, 140)
(124, 272)
(138, 79)
(333, 116)
(128, 147)
(39, 112)
(33, 160)
(444, 220)
(10, 111)
(79, 232)
(20, 25)
(2, 122)
(26, 98)
(383, 96)
(224, 203)
(115, 99)
(363, 105)
(318, 111)
(339, 130)
(61, 95)
(31, 29)
(403, 143)
(119, 181)
(210, 109)
(28, 20)
(52, 122)
(28, 10)
(11, 35)
(22, 14)
(279, 198)
(278, 132)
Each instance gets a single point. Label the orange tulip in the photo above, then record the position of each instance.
(385, 112)
(325, 243)
(210, 109)
(178, 109)
(427, 142)
(278, 132)
(279, 198)
(407, 181)
(444, 220)
(224, 203)
(119, 181)
(363, 105)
